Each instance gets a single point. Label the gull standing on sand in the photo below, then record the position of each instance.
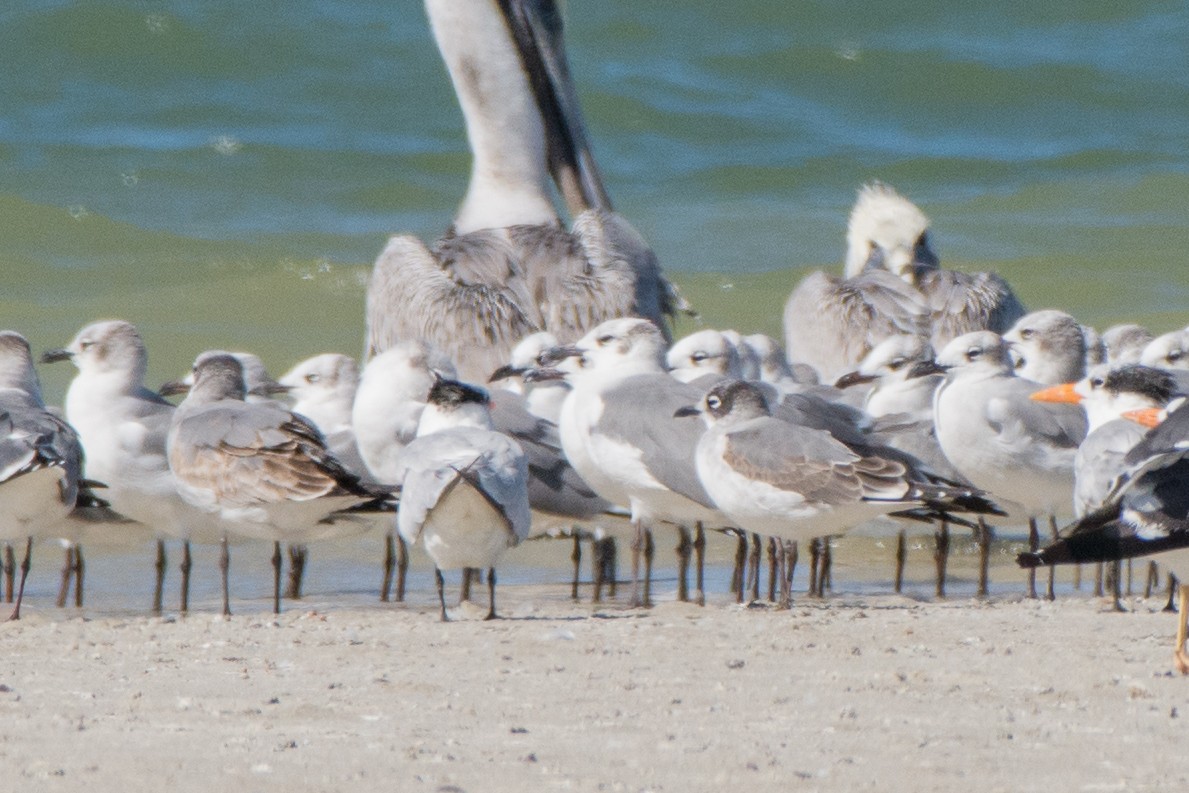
(1018, 450)
(41, 458)
(1147, 512)
(506, 267)
(464, 487)
(258, 467)
(123, 426)
(618, 431)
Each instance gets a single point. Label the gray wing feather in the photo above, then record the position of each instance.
(32, 438)
(965, 302)
(832, 323)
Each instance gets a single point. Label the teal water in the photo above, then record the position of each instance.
(222, 174)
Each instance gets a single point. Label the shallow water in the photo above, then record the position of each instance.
(223, 175)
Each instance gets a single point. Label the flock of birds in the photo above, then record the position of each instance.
(903, 391)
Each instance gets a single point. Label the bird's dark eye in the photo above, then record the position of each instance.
(1026, 333)
(312, 377)
(606, 338)
(973, 353)
(897, 363)
(1175, 355)
(1097, 382)
(85, 344)
(699, 356)
(713, 402)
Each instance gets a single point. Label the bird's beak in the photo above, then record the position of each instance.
(854, 378)
(925, 368)
(270, 388)
(504, 372)
(688, 410)
(1057, 393)
(555, 355)
(173, 388)
(544, 375)
(53, 356)
(536, 28)
(1146, 417)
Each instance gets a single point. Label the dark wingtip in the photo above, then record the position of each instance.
(1030, 559)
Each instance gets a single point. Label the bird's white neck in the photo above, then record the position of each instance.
(509, 174)
(435, 419)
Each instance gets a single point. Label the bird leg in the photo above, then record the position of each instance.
(576, 558)
(1099, 574)
(1172, 589)
(389, 566)
(442, 591)
(901, 558)
(753, 568)
(637, 549)
(1033, 546)
(187, 563)
(402, 568)
(10, 569)
(684, 550)
(984, 558)
(825, 578)
(740, 560)
(67, 571)
(276, 577)
(465, 593)
(649, 551)
(1077, 577)
(815, 555)
(1128, 578)
(598, 566)
(941, 555)
(1116, 570)
(1051, 591)
(16, 611)
(1152, 580)
(80, 569)
(612, 567)
(1182, 659)
(159, 587)
(700, 556)
(790, 568)
(491, 594)
(773, 570)
(224, 567)
(298, 554)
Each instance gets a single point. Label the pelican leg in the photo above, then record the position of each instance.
(67, 572)
(491, 615)
(80, 570)
(740, 561)
(773, 570)
(576, 558)
(1182, 659)
(185, 566)
(984, 558)
(25, 565)
(224, 568)
(901, 558)
(1033, 545)
(442, 592)
(276, 578)
(649, 552)
(1172, 590)
(389, 566)
(402, 568)
(684, 550)
(298, 555)
(159, 586)
(941, 555)
(1051, 591)
(700, 563)
(10, 569)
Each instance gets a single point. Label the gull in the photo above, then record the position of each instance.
(41, 458)
(1020, 451)
(1125, 343)
(506, 267)
(1147, 512)
(1167, 351)
(618, 431)
(389, 400)
(123, 427)
(775, 367)
(464, 486)
(543, 398)
(888, 368)
(702, 353)
(1048, 347)
(323, 390)
(258, 467)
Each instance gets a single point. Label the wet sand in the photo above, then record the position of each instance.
(861, 691)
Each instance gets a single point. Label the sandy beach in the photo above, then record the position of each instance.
(879, 692)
